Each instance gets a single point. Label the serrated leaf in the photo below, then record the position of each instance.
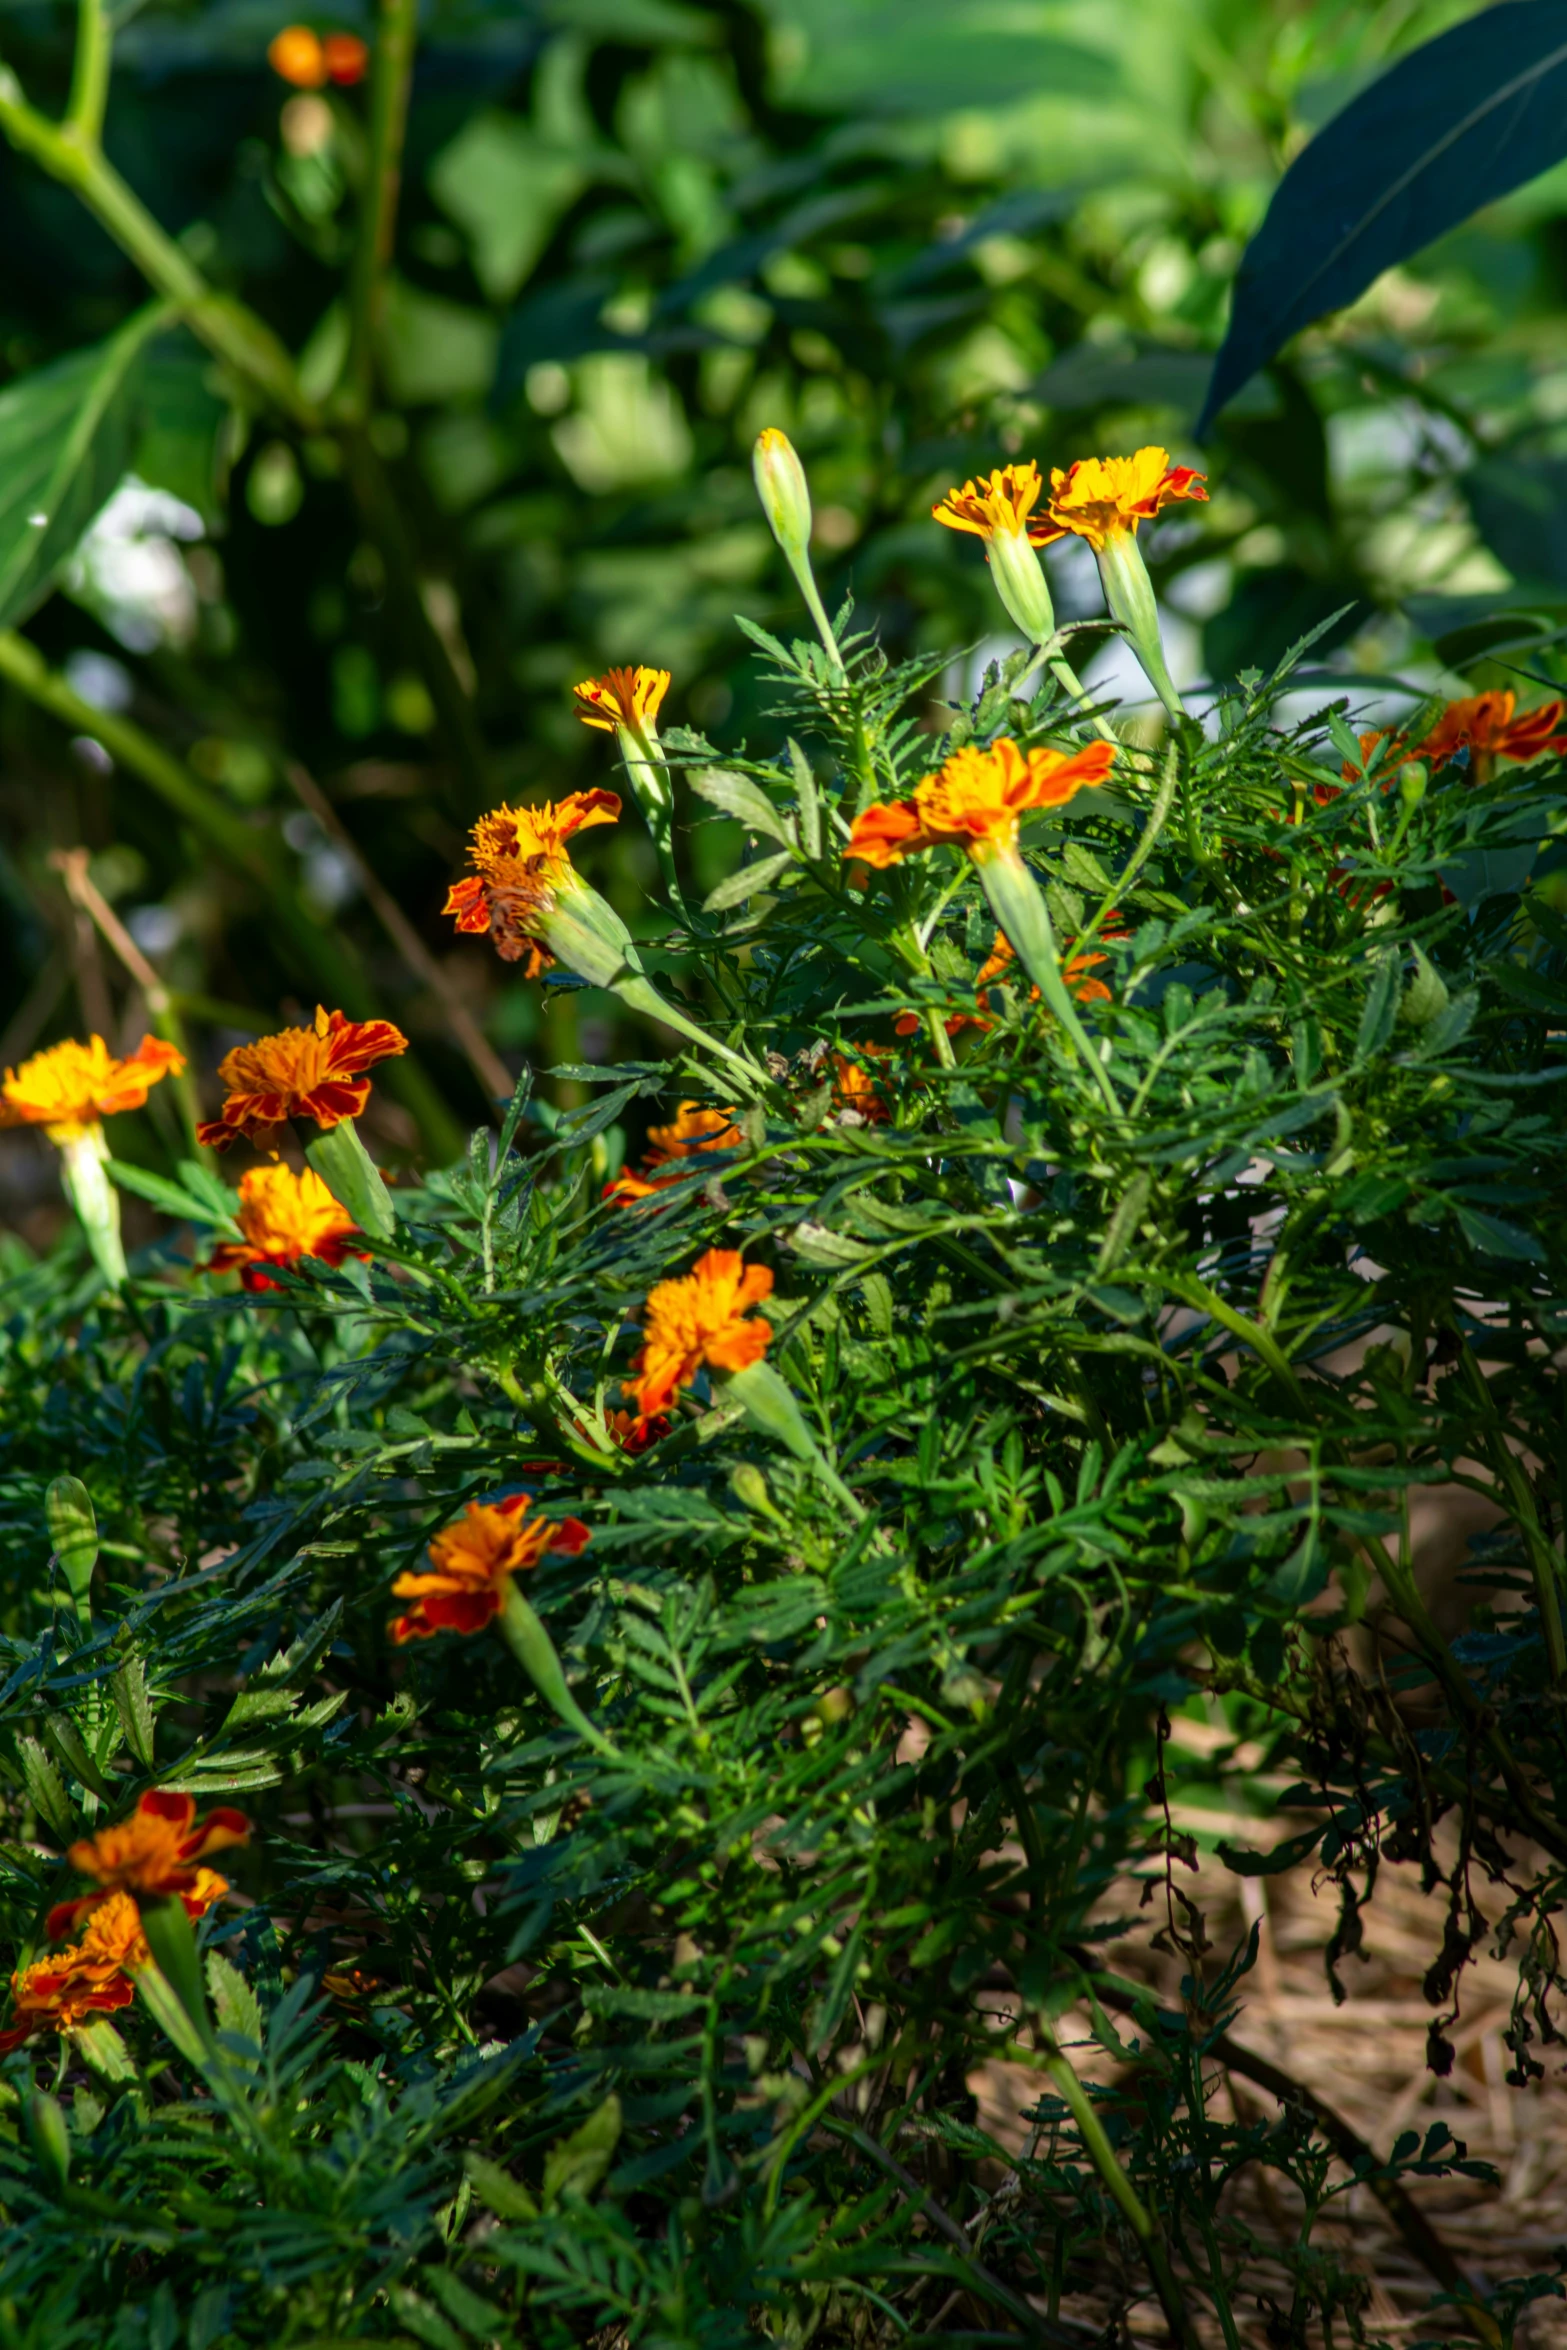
(185, 1206)
(577, 2164)
(46, 1790)
(99, 2045)
(507, 2197)
(808, 802)
(234, 2003)
(1381, 1009)
(746, 882)
(746, 801)
(134, 1706)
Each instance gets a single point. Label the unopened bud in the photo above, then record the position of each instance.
(833, 1705)
(73, 1529)
(782, 488)
(1413, 777)
(749, 1488)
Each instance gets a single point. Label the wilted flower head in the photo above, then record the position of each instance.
(1103, 498)
(157, 1851)
(521, 863)
(976, 801)
(622, 697)
(283, 1217)
(703, 1317)
(472, 1564)
(315, 1072)
(69, 1087)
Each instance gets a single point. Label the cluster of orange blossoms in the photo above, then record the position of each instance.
(284, 1217)
(70, 1088)
(472, 1564)
(1097, 499)
(316, 1072)
(310, 60)
(159, 1853)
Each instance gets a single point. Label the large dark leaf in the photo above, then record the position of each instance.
(66, 436)
(1451, 127)
(1519, 503)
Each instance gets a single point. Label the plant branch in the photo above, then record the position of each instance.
(391, 76)
(89, 74)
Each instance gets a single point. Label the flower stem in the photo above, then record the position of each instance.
(391, 73)
(534, 1650)
(1018, 904)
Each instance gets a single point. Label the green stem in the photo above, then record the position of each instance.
(534, 1650)
(1020, 910)
(1510, 1473)
(391, 76)
(89, 74)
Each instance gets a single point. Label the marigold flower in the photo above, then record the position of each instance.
(1100, 498)
(69, 1087)
(521, 860)
(157, 1851)
(1487, 726)
(1002, 502)
(472, 1564)
(857, 1089)
(635, 1431)
(701, 1317)
(283, 1217)
(90, 1977)
(622, 697)
(303, 58)
(315, 1072)
(692, 1129)
(1076, 970)
(976, 801)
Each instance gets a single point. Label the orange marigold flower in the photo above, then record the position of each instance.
(701, 1317)
(1076, 970)
(472, 1564)
(69, 1087)
(90, 1977)
(976, 801)
(521, 860)
(857, 1088)
(1002, 501)
(691, 1130)
(296, 55)
(1487, 726)
(284, 1217)
(1100, 497)
(313, 1072)
(622, 697)
(158, 1850)
(635, 1431)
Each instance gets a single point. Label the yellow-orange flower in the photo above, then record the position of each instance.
(1100, 498)
(975, 801)
(472, 1564)
(857, 1087)
(158, 1850)
(69, 1087)
(316, 1072)
(691, 1130)
(622, 697)
(700, 1318)
(284, 1217)
(1488, 726)
(303, 58)
(521, 860)
(1002, 501)
(90, 1977)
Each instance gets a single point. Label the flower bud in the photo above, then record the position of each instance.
(1412, 780)
(73, 1529)
(1020, 582)
(781, 486)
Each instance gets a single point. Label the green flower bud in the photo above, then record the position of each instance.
(781, 486)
